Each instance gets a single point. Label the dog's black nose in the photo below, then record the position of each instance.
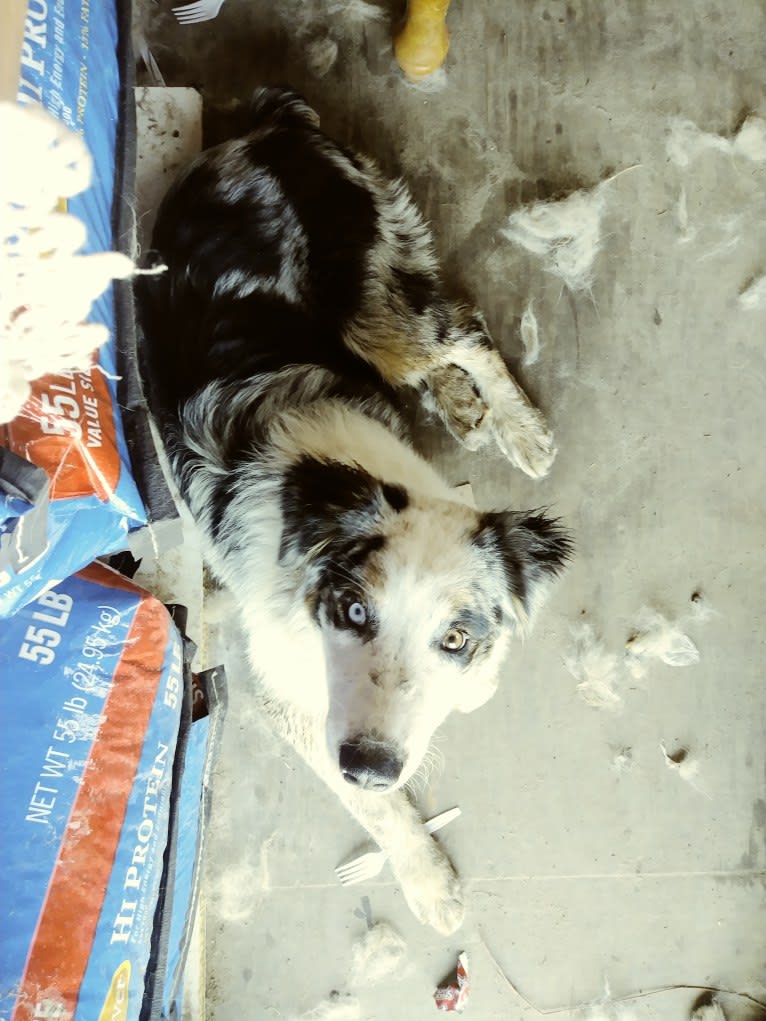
(372, 767)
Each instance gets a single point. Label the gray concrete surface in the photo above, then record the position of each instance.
(578, 873)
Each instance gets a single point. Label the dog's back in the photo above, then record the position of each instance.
(270, 266)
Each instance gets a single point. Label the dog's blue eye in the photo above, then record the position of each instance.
(356, 614)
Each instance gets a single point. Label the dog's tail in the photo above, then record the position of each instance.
(281, 107)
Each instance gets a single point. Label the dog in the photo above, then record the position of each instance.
(301, 303)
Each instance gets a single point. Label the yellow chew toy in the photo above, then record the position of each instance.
(422, 44)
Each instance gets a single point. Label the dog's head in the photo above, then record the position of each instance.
(416, 599)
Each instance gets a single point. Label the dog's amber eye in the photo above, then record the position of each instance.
(454, 640)
(356, 614)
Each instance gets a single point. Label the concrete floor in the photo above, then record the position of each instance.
(579, 872)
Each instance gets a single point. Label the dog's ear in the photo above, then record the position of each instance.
(532, 547)
(324, 501)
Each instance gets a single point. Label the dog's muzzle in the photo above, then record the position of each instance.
(373, 767)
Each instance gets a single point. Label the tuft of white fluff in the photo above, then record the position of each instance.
(686, 142)
(566, 234)
(530, 336)
(47, 288)
(594, 668)
(654, 637)
(754, 295)
(376, 956)
(321, 54)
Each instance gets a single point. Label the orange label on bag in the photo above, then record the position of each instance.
(67, 428)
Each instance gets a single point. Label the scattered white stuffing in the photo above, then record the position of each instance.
(712, 1011)
(567, 234)
(606, 1012)
(622, 761)
(686, 141)
(376, 956)
(594, 668)
(321, 54)
(682, 217)
(338, 1007)
(357, 10)
(606, 1009)
(530, 336)
(750, 140)
(754, 295)
(434, 82)
(654, 637)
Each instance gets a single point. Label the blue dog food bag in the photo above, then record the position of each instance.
(91, 698)
(71, 425)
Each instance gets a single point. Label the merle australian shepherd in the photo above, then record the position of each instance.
(302, 300)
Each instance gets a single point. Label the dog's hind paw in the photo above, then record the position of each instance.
(526, 441)
(435, 896)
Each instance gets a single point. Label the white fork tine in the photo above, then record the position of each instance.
(369, 864)
(364, 867)
(202, 10)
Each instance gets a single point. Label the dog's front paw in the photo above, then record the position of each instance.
(434, 893)
(526, 441)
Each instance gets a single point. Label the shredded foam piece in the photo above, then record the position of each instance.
(686, 142)
(377, 955)
(654, 637)
(530, 336)
(48, 289)
(337, 1007)
(594, 668)
(754, 295)
(321, 55)
(566, 234)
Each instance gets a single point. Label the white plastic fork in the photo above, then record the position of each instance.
(369, 865)
(202, 10)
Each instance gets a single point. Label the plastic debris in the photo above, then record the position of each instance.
(453, 993)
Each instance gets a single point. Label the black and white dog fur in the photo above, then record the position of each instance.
(302, 299)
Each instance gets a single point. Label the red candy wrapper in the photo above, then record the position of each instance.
(454, 991)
